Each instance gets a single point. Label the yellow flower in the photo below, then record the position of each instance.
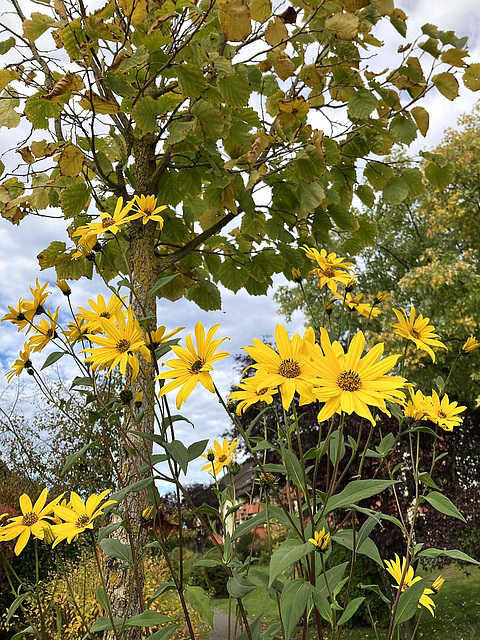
(416, 407)
(349, 383)
(145, 208)
(471, 344)
(396, 569)
(220, 456)
(443, 412)
(45, 331)
(138, 398)
(76, 329)
(320, 539)
(100, 310)
(48, 535)
(380, 297)
(296, 275)
(193, 364)
(85, 242)
(108, 222)
(32, 308)
(331, 269)
(64, 287)
(250, 393)
(79, 516)
(32, 521)
(16, 315)
(155, 338)
(352, 303)
(288, 368)
(418, 330)
(122, 343)
(22, 362)
(438, 584)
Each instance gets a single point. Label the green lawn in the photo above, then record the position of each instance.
(457, 613)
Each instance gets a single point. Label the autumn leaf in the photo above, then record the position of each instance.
(71, 161)
(343, 25)
(93, 102)
(69, 82)
(235, 19)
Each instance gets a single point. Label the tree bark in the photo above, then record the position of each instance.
(125, 588)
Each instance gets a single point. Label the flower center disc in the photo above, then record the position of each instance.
(349, 381)
(197, 366)
(123, 345)
(29, 519)
(82, 521)
(262, 391)
(415, 334)
(107, 222)
(106, 314)
(222, 458)
(441, 414)
(328, 272)
(289, 368)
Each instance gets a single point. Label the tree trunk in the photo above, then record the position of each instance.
(125, 588)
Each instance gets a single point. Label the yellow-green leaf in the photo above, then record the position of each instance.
(260, 10)
(235, 19)
(455, 57)
(93, 102)
(276, 32)
(71, 161)
(421, 117)
(8, 116)
(36, 26)
(135, 10)
(447, 84)
(68, 82)
(343, 25)
(6, 76)
(471, 77)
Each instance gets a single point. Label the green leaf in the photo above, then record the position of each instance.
(168, 586)
(200, 601)
(165, 633)
(73, 457)
(293, 601)
(116, 549)
(179, 453)
(350, 610)
(148, 618)
(232, 275)
(403, 128)
(248, 525)
(14, 606)
(322, 604)
(207, 510)
(234, 90)
(21, 634)
(239, 585)
(104, 532)
(376, 589)
(48, 256)
(190, 79)
(427, 480)
(196, 449)
(131, 488)
(40, 112)
(367, 547)
(210, 119)
(36, 26)
(293, 467)
(396, 191)
(161, 282)
(74, 199)
(444, 505)
(101, 597)
(361, 104)
(288, 553)
(471, 77)
(6, 45)
(408, 602)
(366, 195)
(104, 624)
(355, 491)
(8, 116)
(310, 195)
(447, 84)
(378, 174)
(52, 358)
(206, 295)
(455, 554)
(439, 177)
(145, 114)
(118, 85)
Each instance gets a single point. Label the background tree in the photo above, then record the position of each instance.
(137, 97)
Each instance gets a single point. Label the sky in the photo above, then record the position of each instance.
(242, 317)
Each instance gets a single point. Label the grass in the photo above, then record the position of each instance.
(457, 613)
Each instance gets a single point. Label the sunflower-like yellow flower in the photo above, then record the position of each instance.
(155, 338)
(288, 368)
(193, 364)
(320, 539)
(443, 412)
(44, 332)
(85, 242)
(33, 520)
(347, 382)
(353, 303)
(250, 393)
(16, 316)
(416, 406)
(220, 456)
(396, 569)
(76, 329)
(145, 208)
(34, 307)
(108, 222)
(331, 269)
(471, 344)
(438, 584)
(121, 344)
(296, 275)
(79, 516)
(22, 362)
(418, 330)
(64, 287)
(100, 309)
(380, 297)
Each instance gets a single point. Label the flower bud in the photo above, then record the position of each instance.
(126, 396)
(64, 287)
(296, 275)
